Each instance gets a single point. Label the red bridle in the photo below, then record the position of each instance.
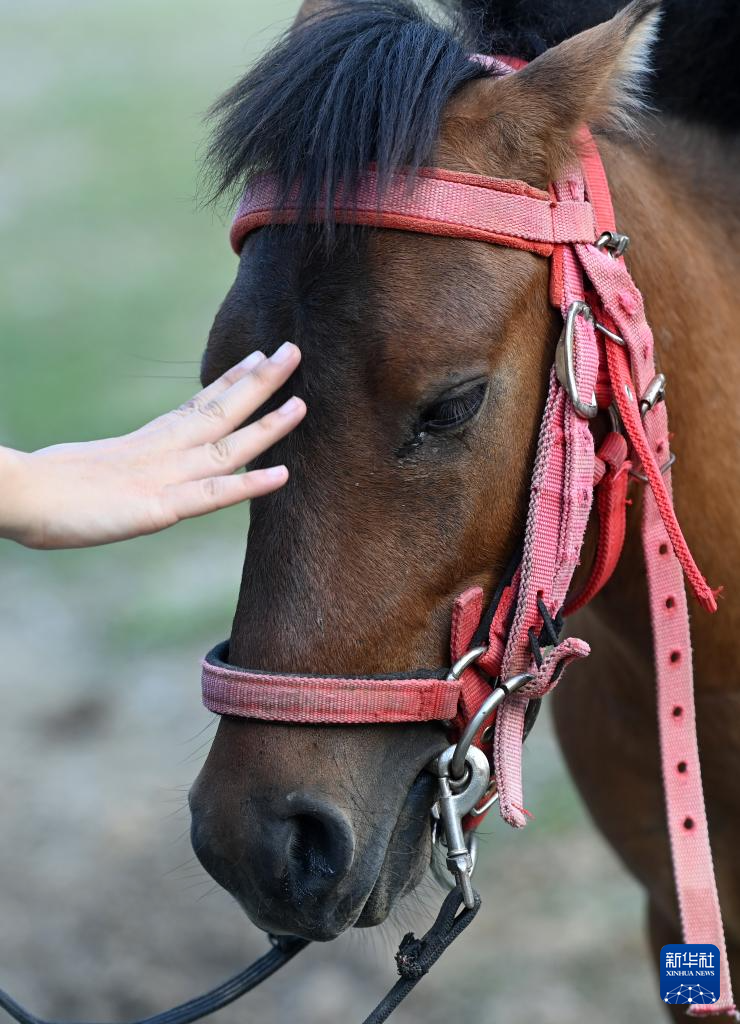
(604, 359)
(556, 224)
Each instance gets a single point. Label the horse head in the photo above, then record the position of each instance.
(425, 368)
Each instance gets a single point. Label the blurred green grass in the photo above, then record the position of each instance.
(112, 269)
(111, 272)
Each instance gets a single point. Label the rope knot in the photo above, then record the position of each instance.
(409, 958)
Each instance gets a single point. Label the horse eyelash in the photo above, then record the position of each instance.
(450, 413)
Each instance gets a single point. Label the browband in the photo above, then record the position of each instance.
(433, 202)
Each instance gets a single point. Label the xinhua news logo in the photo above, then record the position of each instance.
(689, 973)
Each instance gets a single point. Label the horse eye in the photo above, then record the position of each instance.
(451, 411)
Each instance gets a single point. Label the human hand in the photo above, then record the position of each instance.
(180, 465)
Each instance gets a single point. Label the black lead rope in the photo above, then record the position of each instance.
(414, 958)
(284, 949)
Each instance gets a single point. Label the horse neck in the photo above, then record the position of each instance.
(679, 204)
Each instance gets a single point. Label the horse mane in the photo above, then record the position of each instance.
(364, 84)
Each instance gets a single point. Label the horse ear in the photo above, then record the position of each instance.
(594, 77)
(312, 9)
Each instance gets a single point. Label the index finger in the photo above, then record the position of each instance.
(211, 414)
(223, 383)
(229, 377)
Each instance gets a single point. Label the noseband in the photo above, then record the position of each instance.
(509, 653)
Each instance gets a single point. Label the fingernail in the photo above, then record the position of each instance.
(252, 359)
(283, 354)
(290, 407)
(276, 472)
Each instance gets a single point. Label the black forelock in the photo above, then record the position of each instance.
(363, 84)
(367, 83)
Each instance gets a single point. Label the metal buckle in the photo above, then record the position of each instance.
(565, 362)
(465, 784)
(497, 696)
(613, 242)
(617, 338)
(564, 359)
(663, 469)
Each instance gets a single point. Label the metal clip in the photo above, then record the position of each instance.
(438, 862)
(614, 243)
(654, 393)
(455, 800)
(565, 361)
(489, 799)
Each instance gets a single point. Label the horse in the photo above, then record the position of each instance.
(425, 368)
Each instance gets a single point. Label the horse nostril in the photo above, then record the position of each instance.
(310, 847)
(321, 844)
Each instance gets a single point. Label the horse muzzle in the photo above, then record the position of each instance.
(315, 858)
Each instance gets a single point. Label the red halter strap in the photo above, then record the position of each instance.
(331, 699)
(439, 202)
